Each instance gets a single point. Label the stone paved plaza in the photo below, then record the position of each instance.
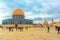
(30, 34)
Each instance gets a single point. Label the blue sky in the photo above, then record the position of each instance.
(38, 10)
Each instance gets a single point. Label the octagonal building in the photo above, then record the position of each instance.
(18, 17)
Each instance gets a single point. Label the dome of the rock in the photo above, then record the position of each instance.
(18, 17)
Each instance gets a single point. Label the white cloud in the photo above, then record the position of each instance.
(28, 1)
(44, 15)
(37, 21)
(30, 15)
(56, 20)
(1, 16)
(36, 8)
(2, 5)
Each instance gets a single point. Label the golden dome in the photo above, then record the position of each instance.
(18, 12)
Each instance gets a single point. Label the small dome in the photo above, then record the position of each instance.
(18, 12)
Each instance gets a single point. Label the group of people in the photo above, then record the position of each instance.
(11, 28)
(17, 28)
(56, 28)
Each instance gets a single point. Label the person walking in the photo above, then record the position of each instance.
(48, 28)
(16, 26)
(58, 29)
